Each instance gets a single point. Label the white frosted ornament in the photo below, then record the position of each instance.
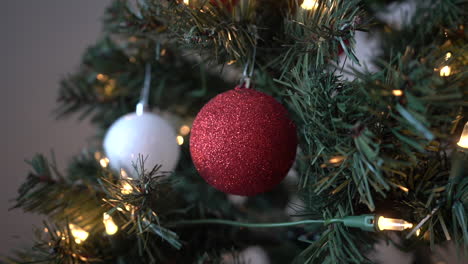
(146, 134)
(252, 254)
(141, 133)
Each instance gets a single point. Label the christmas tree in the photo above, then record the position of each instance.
(213, 116)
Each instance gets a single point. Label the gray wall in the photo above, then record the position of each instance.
(40, 41)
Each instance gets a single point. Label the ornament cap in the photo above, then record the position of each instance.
(241, 87)
(142, 108)
(247, 74)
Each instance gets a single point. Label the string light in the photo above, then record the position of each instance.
(448, 55)
(187, 2)
(104, 162)
(364, 222)
(102, 77)
(463, 142)
(97, 155)
(180, 140)
(336, 160)
(111, 227)
(129, 208)
(126, 188)
(184, 130)
(397, 92)
(124, 175)
(403, 188)
(445, 71)
(80, 257)
(110, 87)
(309, 4)
(78, 233)
(392, 224)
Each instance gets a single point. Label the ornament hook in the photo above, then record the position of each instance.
(247, 73)
(142, 105)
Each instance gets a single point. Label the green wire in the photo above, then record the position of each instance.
(256, 225)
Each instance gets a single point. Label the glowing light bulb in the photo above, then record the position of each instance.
(392, 224)
(126, 188)
(124, 175)
(184, 130)
(336, 160)
(448, 55)
(111, 227)
(418, 232)
(187, 2)
(464, 137)
(78, 233)
(309, 4)
(180, 140)
(110, 87)
(403, 188)
(397, 92)
(104, 162)
(97, 155)
(445, 71)
(102, 77)
(129, 207)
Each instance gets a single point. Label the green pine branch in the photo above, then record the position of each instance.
(47, 192)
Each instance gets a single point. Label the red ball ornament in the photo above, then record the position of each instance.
(243, 142)
(229, 4)
(340, 48)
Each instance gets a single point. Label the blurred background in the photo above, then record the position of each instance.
(41, 41)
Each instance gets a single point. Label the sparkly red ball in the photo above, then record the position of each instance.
(340, 48)
(243, 142)
(229, 4)
(224, 2)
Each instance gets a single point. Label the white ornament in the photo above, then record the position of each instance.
(252, 254)
(146, 134)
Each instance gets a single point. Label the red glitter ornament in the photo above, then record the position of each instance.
(340, 48)
(229, 4)
(242, 142)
